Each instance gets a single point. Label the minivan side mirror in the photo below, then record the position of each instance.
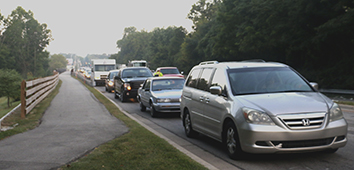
(215, 90)
(314, 85)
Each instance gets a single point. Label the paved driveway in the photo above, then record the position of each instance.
(74, 124)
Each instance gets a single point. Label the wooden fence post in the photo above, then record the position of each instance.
(23, 99)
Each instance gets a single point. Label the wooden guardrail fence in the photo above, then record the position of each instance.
(34, 91)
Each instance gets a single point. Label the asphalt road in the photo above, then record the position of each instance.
(73, 125)
(342, 159)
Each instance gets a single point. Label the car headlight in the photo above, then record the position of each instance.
(163, 100)
(127, 86)
(110, 83)
(335, 113)
(257, 117)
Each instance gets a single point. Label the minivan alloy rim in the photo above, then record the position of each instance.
(231, 142)
(187, 123)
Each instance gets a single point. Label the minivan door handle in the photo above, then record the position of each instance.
(201, 98)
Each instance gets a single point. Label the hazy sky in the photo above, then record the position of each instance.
(93, 27)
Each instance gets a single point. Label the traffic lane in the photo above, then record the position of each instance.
(343, 158)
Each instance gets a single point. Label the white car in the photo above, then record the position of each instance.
(161, 95)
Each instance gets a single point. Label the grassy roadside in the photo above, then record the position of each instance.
(346, 102)
(32, 120)
(3, 106)
(138, 149)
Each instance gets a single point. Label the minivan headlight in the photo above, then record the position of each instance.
(335, 113)
(257, 117)
(163, 100)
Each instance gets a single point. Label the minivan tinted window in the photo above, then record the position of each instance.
(193, 78)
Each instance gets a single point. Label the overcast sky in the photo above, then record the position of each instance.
(93, 27)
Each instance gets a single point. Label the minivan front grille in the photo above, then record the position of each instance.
(303, 121)
(303, 143)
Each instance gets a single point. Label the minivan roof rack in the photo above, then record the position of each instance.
(208, 62)
(254, 60)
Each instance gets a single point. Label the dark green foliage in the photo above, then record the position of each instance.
(314, 37)
(10, 84)
(161, 47)
(22, 44)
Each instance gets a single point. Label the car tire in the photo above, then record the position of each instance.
(142, 107)
(232, 142)
(122, 97)
(153, 111)
(187, 124)
(115, 94)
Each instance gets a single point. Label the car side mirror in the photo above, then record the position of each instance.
(215, 90)
(314, 85)
(182, 72)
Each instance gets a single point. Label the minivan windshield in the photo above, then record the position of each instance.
(266, 80)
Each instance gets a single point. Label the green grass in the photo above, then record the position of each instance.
(32, 120)
(3, 106)
(346, 102)
(137, 149)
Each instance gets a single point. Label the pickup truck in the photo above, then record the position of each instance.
(128, 81)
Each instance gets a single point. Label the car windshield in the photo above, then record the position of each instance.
(130, 73)
(167, 84)
(113, 74)
(169, 71)
(266, 80)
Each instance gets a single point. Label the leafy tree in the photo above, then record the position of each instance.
(10, 84)
(164, 46)
(25, 40)
(133, 46)
(57, 61)
(312, 36)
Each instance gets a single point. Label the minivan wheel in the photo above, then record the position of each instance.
(232, 141)
(187, 123)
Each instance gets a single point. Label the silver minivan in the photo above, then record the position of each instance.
(260, 107)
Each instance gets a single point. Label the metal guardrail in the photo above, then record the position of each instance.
(7, 114)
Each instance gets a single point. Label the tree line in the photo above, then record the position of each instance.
(314, 37)
(22, 51)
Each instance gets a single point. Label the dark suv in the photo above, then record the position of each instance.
(128, 81)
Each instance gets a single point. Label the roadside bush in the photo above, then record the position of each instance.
(10, 84)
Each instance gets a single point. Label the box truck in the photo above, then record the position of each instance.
(100, 69)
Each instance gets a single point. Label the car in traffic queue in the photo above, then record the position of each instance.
(87, 73)
(161, 95)
(169, 71)
(109, 81)
(128, 81)
(260, 107)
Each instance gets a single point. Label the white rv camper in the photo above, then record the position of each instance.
(100, 69)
